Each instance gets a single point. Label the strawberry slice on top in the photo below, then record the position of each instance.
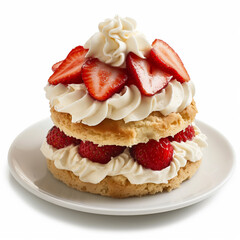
(167, 59)
(146, 76)
(102, 80)
(56, 65)
(69, 71)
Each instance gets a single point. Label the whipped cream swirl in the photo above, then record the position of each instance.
(115, 39)
(68, 159)
(128, 105)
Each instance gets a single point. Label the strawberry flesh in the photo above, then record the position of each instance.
(69, 71)
(102, 80)
(56, 65)
(146, 76)
(167, 59)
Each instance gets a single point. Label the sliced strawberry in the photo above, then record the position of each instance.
(70, 69)
(102, 80)
(145, 75)
(56, 65)
(76, 49)
(168, 60)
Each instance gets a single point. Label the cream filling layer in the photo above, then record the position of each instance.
(68, 158)
(128, 105)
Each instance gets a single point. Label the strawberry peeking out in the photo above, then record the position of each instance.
(100, 154)
(187, 134)
(155, 155)
(58, 139)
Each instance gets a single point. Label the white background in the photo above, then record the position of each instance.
(36, 34)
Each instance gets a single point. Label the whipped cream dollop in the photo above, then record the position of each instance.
(128, 105)
(115, 39)
(68, 158)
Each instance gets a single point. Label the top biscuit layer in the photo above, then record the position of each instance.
(110, 132)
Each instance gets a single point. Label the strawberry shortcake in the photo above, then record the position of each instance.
(123, 114)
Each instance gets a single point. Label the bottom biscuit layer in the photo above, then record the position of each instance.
(119, 186)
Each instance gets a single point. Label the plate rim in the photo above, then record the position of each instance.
(122, 212)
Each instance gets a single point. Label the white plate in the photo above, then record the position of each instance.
(28, 166)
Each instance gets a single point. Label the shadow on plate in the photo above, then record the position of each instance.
(95, 221)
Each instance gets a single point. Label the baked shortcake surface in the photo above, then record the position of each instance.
(109, 132)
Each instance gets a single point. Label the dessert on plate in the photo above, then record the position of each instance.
(123, 114)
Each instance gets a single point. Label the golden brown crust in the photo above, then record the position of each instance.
(119, 186)
(110, 132)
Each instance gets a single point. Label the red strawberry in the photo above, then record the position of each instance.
(102, 80)
(155, 155)
(76, 141)
(186, 134)
(56, 65)
(99, 154)
(59, 139)
(70, 69)
(168, 60)
(148, 78)
(76, 49)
